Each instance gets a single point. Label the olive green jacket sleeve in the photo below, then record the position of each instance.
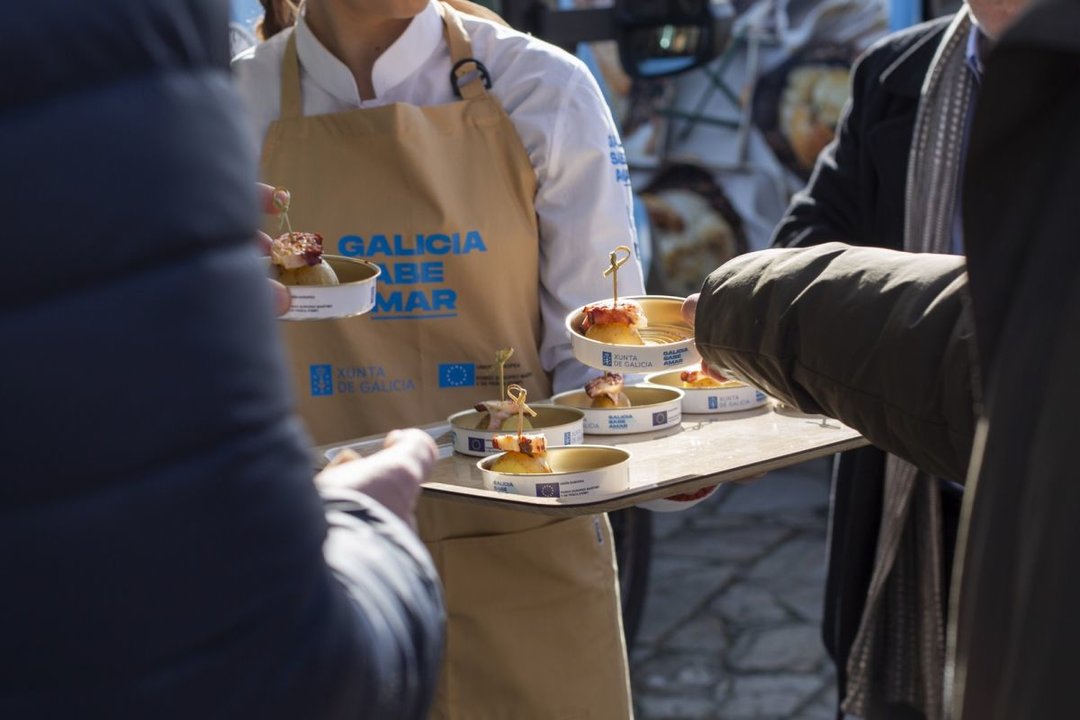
(878, 339)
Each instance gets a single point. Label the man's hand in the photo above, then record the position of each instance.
(391, 476)
(689, 308)
(689, 312)
(272, 201)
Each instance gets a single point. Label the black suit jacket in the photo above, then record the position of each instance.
(856, 193)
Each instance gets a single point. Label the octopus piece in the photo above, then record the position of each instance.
(606, 391)
(616, 324)
(698, 379)
(296, 249)
(297, 256)
(534, 445)
(521, 454)
(500, 415)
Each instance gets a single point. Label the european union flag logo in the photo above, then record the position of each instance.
(454, 375)
(605, 358)
(322, 380)
(659, 418)
(476, 444)
(714, 402)
(547, 489)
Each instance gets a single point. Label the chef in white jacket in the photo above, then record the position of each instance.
(481, 169)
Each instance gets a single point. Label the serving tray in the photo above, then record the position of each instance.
(702, 450)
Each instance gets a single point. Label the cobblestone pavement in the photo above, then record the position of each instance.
(731, 627)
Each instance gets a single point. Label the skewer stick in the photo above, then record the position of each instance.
(501, 356)
(613, 270)
(518, 394)
(281, 202)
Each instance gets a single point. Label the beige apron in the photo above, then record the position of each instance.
(441, 197)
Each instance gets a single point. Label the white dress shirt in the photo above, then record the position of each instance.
(583, 198)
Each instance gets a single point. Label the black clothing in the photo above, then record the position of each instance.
(781, 319)
(163, 543)
(1016, 616)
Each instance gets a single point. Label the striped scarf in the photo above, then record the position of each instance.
(898, 655)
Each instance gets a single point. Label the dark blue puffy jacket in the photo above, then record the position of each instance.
(163, 553)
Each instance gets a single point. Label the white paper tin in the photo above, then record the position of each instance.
(711, 399)
(651, 408)
(578, 472)
(669, 340)
(560, 425)
(354, 296)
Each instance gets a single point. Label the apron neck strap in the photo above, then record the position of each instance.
(290, 80)
(460, 57)
(456, 37)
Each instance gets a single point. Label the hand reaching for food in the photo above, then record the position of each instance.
(392, 476)
(689, 308)
(689, 311)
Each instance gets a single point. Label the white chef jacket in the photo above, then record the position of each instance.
(583, 200)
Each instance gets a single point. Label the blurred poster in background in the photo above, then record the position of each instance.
(717, 152)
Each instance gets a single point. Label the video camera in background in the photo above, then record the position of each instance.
(656, 38)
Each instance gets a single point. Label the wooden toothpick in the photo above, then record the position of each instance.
(281, 202)
(613, 270)
(518, 394)
(501, 356)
